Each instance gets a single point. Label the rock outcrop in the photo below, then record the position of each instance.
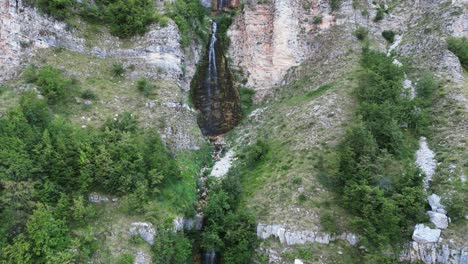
(424, 234)
(433, 253)
(290, 236)
(145, 230)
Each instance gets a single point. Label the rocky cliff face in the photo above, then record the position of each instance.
(157, 56)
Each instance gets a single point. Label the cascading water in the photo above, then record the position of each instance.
(209, 257)
(213, 91)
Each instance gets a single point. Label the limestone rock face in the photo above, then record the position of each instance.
(424, 234)
(435, 253)
(145, 230)
(265, 42)
(289, 236)
(181, 223)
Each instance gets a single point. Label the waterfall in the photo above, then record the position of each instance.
(212, 76)
(209, 257)
(213, 90)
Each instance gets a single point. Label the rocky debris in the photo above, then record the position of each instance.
(222, 166)
(298, 261)
(425, 160)
(435, 253)
(424, 234)
(142, 258)
(181, 223)
(293, 237)
(97, 198)
(434, 202)
(145, 230)
(439, 220)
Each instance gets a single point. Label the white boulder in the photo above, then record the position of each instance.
(438, 219)
(424, 234)
(434, 202)
(145, 230)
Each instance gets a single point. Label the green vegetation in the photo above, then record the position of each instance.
(124, 18)
(381, 11)
(171, 247)
(190, 17)
(117, 70)
(375, 173)
(53, 85)
(130, 17)
(246, 98)
(145, 87)
(46, 162)
(230, 230)
(459, 46)
(318, 20)
(60, 9)
(361, 33)
(388, 35)
(335, 4)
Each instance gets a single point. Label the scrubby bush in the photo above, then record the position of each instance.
(189, 15)
(379, 15)
(53, 84)
(361, 33)
(60, 9)
(88, 95)
(130, 17)
(459, 46)
(117, 70)
(318, 20)
(335, 4)
(145, 86)
(30, 74)
(246, 98)
(388, 35)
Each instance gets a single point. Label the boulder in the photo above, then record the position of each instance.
(298, 261)
(145, 230)
(96, 198)
(424, 234)
(434, 202)
(438, 219)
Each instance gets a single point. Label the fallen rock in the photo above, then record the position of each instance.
(145, 230)
(434, 202)
(96, 198)
(424, 234)
(298, 261)
(438, 219)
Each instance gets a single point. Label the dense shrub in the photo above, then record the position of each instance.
(388, 35)
(171, 247)
(335, 4)
(318, 20)
(246, 98)
(189, 15)
(117, 70)
(459, 46)
(89, 95)
(52, 83)
(361, 33)
(60, 9)
(130, 17)
(145, 86)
